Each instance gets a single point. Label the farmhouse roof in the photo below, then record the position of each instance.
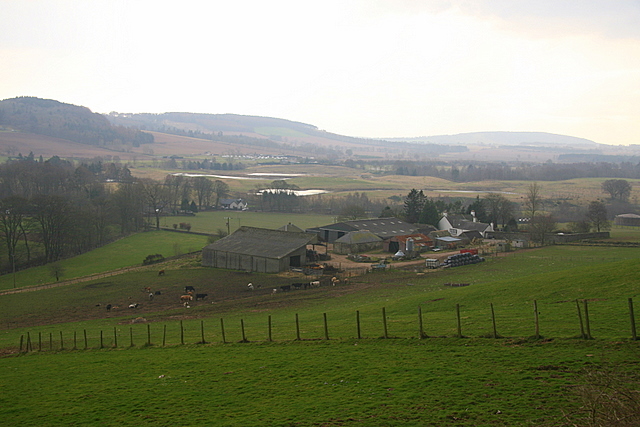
(419, 239)
(628, 216)
(356, 237)
(291, 227)
(262, 242)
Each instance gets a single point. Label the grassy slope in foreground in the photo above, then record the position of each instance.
(126, 252)
(371, 382)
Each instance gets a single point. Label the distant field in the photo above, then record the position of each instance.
(211, 222)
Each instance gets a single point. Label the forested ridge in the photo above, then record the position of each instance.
(66, 121)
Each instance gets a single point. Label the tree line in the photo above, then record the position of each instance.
(54, 209)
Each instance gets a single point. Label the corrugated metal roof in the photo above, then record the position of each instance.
(356, 237)
(262, 242)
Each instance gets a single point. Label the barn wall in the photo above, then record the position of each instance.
(355, 248)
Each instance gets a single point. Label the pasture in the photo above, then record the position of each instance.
(126, 252)
(403, 380)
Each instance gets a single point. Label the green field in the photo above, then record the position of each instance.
(126, 252)
(514, 380)
(211, 222)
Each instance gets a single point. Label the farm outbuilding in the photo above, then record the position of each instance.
(356, 242)
(631, 220)
(421, 242)
(381, 227)
(259, 249)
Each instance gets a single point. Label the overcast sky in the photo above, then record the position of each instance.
(369, 68)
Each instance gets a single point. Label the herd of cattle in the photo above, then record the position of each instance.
(191, 295)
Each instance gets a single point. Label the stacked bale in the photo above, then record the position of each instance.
(458, 260)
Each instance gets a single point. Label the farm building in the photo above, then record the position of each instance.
(233, 204)
(627, 220)
(458, 224)
(259, 249)
(356, 242)
(448, 242)
(421, 242)
(291, 227)
(381, 227)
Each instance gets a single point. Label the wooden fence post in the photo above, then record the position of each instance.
(101, 342)
(28, 346)
(130, 336)
(384, 322)
(74, 341)
(458, 317)
(633, 321)
(493, 321)
(85, 339)
(358, 323)
(181, 333)
(148, 334)
(537, 319)
(61, 341)
(164, 335)
(39, 341)
(244, 338)
(586, 320)
(326, 328)
(269, 324)
(582, 334)
(21, 342)
(421, 333)
(297, 328)
(202, 331)
(224, 339)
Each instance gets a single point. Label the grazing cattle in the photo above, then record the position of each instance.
(250, 286)
(189, 288)
(135, 305)
(285, 288)
(201, 296)
(185, 298)
(150, 296)
(158, 293)
(335, 281)
(147, 289)
(109, 307)
(297, 285)
(274, 291)
(314, 284)
(161, 273)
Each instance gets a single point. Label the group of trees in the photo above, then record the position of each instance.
(536, 217)
(52, 209)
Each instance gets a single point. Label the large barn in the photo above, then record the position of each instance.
(259, 249)
(384, 228)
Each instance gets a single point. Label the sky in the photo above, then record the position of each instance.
(365, 68)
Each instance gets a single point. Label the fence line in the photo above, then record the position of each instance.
(583, 322)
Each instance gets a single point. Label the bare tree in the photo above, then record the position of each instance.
(157, 197)
(532, 200)
(618, 189)
(221, 189)
(543, 225)
(204, 189)
(597, 216)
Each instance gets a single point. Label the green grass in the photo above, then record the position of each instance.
(440, 380)
(126, 252)
(211, 222)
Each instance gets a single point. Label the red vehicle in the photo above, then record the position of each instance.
(469, 251)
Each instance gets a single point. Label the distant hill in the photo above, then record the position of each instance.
(505, 138)
(66, 121)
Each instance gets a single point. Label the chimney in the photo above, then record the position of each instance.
(473, 214)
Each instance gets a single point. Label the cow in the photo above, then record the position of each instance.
(201, 296)
(297, 285)
(158, 293)
(274, 291)
(147, 289)
(285, 288)
(250, 286)
(189, 288)
(314, 284)
(109, 307)
(135, 305)
(335, 281)
(161, 273)
(150, 296)
(186, 298)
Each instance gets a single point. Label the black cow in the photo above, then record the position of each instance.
(285, 288)
(109, 307)
(297, 285)
(189, 288)
(201, 296)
